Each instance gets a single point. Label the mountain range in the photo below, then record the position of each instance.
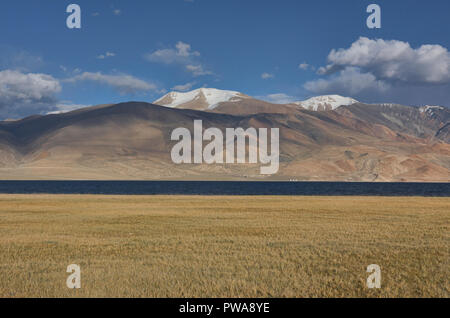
(325, 138)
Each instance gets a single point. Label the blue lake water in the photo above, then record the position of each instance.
(226, 188)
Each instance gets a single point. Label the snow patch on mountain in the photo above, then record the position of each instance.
(326, 102)
(212, 96)
(430, 109)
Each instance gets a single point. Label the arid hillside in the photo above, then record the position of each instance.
(358, 142)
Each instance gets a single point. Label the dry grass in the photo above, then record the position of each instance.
(186, 246)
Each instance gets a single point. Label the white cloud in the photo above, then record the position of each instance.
(184, 87)
(304, 66)
(106, 55)
(266, 75)
(367, 88)
(125, 84)
(394, 60)
(197, 70)
(24, 93)
(279, 98)
(182, 54)
(387, 71)
(329, 69)
(184, 49)
(117, 12)
(66, 107)
(348, 82)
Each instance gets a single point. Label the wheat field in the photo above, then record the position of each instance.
(230, 246)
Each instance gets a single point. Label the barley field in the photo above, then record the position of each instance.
(230, 246)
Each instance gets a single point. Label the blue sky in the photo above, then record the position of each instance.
(137, 50)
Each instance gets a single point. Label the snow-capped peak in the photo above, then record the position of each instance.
(203, 98)
(429, 109)
(326, 102)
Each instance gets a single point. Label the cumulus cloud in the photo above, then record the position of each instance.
(123, 83)
(350, 81)
(182, 54)
(184, 87)
(395, 60)
(279, 98)
(25, 93)
(387, 71)
(266, 75)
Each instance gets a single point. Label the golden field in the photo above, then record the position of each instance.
(201, 246)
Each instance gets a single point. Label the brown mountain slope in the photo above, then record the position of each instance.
(132, 141)
(253, 106)
(444, 133)
(405, 119)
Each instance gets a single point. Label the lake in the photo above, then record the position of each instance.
(226, 188)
